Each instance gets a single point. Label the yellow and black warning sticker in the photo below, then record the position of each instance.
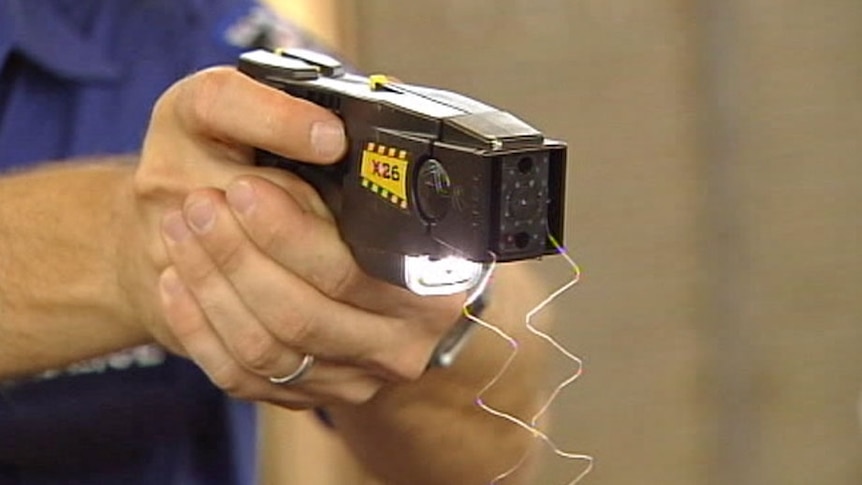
(384, 172)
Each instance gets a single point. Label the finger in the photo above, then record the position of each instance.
(325, 262)
(291, 237)
(249, 342)
(323, 384)
(269, 217)
(314, 251)
(223, 104)
(338, 384)
(295, 312)
(190, 326)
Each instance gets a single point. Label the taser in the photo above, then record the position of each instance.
(435, 186)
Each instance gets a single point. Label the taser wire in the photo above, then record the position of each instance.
(532, 425)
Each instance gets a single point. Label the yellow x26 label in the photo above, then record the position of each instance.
(384, 172)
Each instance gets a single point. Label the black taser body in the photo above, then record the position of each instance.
(428, 173)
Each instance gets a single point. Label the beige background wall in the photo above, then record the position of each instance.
(714, 205)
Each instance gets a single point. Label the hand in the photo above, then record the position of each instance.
(200, 135)
(253, 274)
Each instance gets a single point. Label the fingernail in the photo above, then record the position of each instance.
(201, 214)
(327, 139)
(174, 227)
(170, 282)
(241, 197)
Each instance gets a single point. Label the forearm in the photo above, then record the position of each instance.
(63, 228)
(432, 431)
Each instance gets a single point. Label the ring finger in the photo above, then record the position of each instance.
(322, 384)
(246, 339)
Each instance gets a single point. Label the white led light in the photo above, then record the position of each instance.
(444, 276)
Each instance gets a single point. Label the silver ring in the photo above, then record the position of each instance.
(304, 367)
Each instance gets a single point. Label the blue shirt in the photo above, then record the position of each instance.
(79, 77)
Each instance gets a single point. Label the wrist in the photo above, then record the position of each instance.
(141, 257)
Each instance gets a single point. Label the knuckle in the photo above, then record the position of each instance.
(283, 235)
(294, 329)
(199, 275)
(307, 196)
(165, 105)
(229, 378)
(282, 228)
(230, 256)
(295, 187)
(269, 242)
(283, 112)
(259, 353)
(340, 282)
(146, 184)
(199, 93)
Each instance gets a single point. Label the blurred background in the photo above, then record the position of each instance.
(714, 200)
